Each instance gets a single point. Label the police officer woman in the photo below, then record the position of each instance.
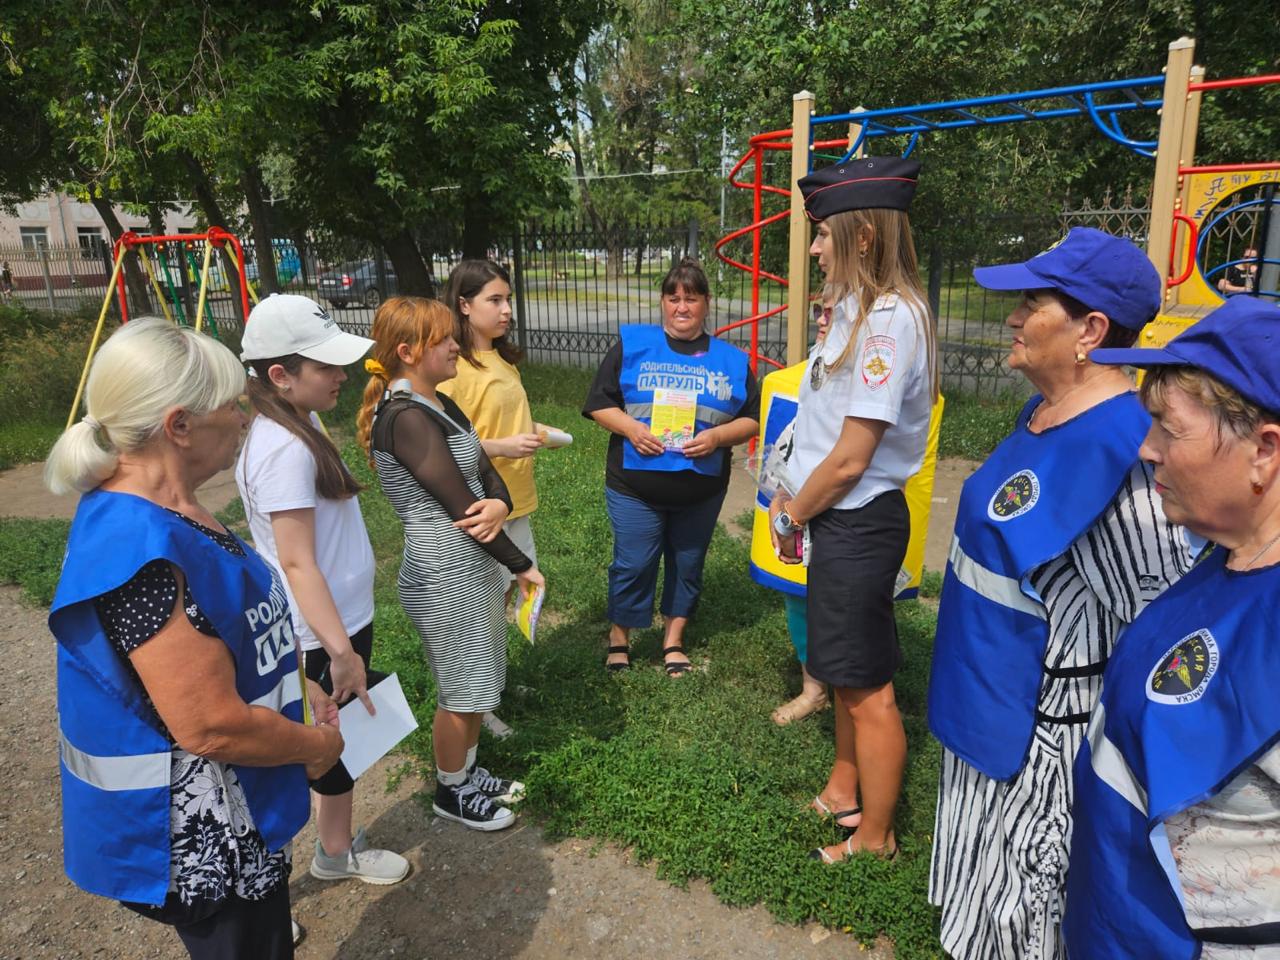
(1176, 849)
(674, 397)
(860, 432)
(1059, 542)
(184, 756)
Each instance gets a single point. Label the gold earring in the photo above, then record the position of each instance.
(1080, 357)
(1257, 488)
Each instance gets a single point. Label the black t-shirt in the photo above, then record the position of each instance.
(1237, 277)
(663, 488)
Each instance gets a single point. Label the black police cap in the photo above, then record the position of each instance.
(885, 182)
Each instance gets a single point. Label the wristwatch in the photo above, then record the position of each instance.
(784, 524)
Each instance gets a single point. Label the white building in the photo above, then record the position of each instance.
(58, 220)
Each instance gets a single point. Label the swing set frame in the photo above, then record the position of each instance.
(213, 238)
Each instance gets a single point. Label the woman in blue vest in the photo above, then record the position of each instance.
(675, 398)
(1176, 850)
(184, 753)
(1059, 543)
(860, 432)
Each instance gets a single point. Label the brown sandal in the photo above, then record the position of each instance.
(798, 708)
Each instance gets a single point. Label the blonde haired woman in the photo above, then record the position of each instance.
(860, 432)
(452, 504)
(184, 756)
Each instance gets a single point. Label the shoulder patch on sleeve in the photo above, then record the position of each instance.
(878, 354)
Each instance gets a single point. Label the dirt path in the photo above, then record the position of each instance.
(510, 894)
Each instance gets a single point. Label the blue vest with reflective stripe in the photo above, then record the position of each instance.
(1188, 702)
(1035, 495)
(718, 378)
(115, 759)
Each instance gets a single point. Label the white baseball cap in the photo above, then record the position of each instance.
(286, 323)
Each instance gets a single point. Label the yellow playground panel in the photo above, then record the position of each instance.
(779, 395)
(1187, 200)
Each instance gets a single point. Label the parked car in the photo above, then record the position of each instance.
(357, 281)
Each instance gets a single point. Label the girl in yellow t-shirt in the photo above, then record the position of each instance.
(488, 390)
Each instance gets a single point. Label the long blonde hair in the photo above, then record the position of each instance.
(889, 266)
(144, 370)
(417, 321)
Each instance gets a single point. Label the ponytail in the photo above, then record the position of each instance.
(81, 459)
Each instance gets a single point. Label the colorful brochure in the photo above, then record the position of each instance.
(528, 611)
(674, 416)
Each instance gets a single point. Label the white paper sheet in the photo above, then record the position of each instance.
(368, 739)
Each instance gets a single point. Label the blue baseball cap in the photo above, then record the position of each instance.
(1236, 343)
(1105, 273)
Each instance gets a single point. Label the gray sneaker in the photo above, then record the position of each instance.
(362, 862)
(495, 726)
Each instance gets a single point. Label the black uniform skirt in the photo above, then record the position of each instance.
(855, 556)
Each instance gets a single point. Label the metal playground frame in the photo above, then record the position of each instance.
(1183, 194)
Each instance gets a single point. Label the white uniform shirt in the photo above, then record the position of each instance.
(277, 472)
(884, 377)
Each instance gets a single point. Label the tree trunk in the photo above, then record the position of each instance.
(614, 267)
(207, 200)
(477, 227)
(412, 276)
(260, 218)
(135, 284)
(935, 279)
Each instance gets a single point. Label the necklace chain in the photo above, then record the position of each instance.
(1265, 547)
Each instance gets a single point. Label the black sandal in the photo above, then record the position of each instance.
(617, 667)
(674, 669)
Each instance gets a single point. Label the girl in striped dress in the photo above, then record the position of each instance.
(452, 504)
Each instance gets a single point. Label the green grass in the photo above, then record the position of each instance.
(27, 441)
(972, 426)
(690, 774)
(31, 556)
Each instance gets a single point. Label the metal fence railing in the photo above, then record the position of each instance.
(576, 284)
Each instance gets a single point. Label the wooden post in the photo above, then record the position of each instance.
(798, 248)
(1169, 149)
(855, 131)
(1186, 157)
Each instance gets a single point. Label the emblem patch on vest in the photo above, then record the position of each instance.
(1015, 496)
(1184, 672)
(878, 354)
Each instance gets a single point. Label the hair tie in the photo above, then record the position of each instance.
(93, 423)
(375, 369)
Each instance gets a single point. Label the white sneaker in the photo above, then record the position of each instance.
(496, 726)
(362, 862)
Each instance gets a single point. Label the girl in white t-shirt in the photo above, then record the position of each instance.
(860, 431)
(301, 505)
